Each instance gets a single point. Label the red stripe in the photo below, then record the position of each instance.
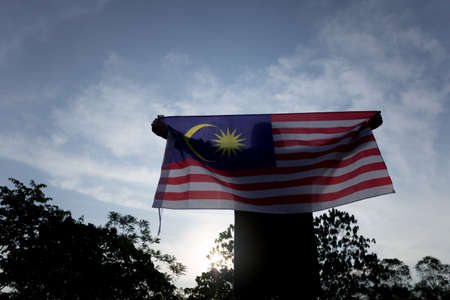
(318, 142)
(324, 116)
(312, 130)
(265, 171)
(312, 180)
(340, 148)
(288, 199)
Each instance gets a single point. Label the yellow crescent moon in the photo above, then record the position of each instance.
(190, 133)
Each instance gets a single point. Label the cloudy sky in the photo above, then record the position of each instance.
(80, 82)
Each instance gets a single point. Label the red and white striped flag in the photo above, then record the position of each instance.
(279, 163)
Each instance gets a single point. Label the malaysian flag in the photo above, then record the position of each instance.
(279, 163)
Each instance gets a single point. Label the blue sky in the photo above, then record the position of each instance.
(81, 81)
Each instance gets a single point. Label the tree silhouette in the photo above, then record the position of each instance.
(347, 267)
(215, 284)
(395, 281)
(434, 279)
(47, 254)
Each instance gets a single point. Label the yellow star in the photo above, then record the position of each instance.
(228, 142)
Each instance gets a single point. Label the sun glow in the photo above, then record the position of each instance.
(228, 143)
(214, 259)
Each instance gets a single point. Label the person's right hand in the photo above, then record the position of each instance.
(159, 128)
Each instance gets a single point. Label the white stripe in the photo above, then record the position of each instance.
(306, 148)
(330, 156)
(311, 136)
(197, 170)
(296, 190)
(277, 209)
(318, 124)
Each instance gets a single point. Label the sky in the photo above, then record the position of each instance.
(81, 81)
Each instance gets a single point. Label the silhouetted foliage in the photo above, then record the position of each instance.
(47, 254)
(395, 281)
(347, 267)
(214, 284)
(434, 279)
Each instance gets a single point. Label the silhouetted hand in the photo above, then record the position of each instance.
(159, 128)
(375, 121)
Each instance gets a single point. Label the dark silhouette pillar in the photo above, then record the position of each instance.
(275, 255)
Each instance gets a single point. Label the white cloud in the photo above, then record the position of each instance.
(377, 64)
(115, 115)
(121, 183)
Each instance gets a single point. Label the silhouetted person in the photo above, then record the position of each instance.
(275, 255)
